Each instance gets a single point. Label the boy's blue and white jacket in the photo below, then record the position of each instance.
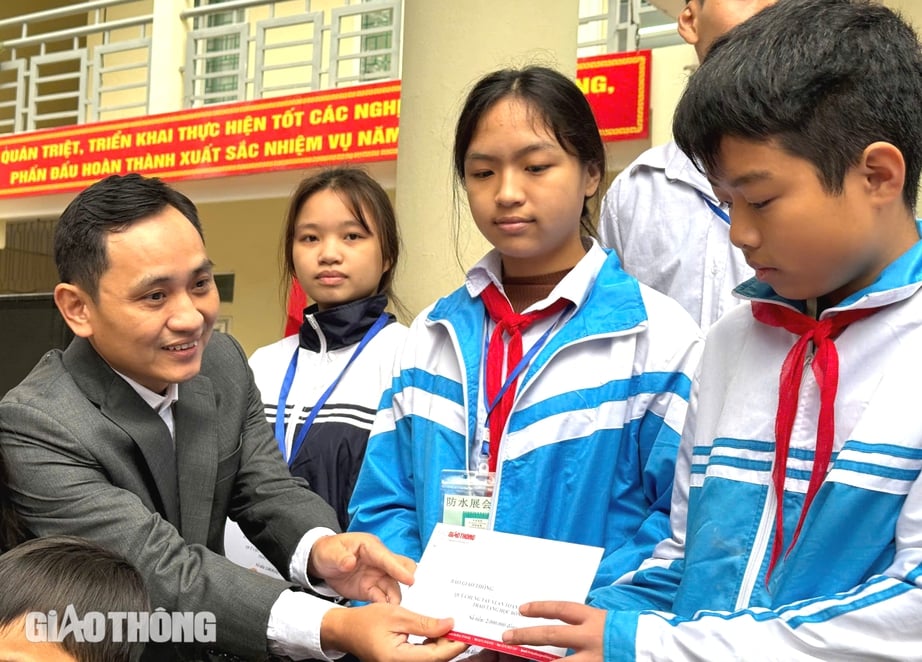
(849, 589)
(590, 445)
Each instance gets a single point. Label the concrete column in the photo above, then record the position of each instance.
(447, 46)
(669, 71)
(167, 55)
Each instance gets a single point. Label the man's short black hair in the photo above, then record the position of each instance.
(110, 205)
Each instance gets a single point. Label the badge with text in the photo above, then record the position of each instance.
(467, 498)
(480, 577)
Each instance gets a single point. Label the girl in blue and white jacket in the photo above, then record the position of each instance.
(578, 427)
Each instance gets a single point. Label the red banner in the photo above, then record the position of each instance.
(358, 124)
(618, 89)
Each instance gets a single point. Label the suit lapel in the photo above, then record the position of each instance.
(196, 456)
(118, 402)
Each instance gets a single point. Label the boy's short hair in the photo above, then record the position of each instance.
(49, 574)
(822, 78)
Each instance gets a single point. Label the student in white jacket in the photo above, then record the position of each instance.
(660, 213)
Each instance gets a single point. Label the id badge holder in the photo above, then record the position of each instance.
(467, 497)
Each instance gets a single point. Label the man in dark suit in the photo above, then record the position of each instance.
(148, 431)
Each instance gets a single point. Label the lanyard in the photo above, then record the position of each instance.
(289, 380)
(512, 376)
(721, 214)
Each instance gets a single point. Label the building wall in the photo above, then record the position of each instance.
(243, 239)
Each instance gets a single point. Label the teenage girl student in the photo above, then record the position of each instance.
(551, 385)
(322, 386)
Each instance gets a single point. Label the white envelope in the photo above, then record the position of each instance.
(480, 577)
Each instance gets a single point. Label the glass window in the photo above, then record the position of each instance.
(222, 54)
(374, 65)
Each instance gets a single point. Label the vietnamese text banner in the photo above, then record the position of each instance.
(356, 124)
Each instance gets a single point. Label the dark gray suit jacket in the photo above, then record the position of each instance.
(88, 457)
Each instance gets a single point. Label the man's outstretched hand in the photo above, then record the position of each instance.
(358, 566)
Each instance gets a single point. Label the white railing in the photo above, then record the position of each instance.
(91, 61)
(252, 49)
(54, 63)
(614, 26)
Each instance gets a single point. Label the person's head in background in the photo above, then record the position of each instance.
(529, 156)
(702, 21)
(136, 281)
(815, 141)
(58, 572)
(341, 241)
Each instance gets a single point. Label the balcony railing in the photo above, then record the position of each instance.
(91, 61)
(614, 26)
(252, 49)
(55, 64)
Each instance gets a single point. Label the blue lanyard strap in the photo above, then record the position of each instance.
(512, 376)
(289, 380)
(721, 214)
(524, 363)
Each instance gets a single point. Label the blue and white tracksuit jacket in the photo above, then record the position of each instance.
(850, 587)
(589, 449)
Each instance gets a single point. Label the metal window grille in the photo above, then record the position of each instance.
(614, 26)
(364, 41)
(57, 88)
(12, 103)
(377, 41)
(290, 51)
(216, 56)
(51, 74)
(121, 78)
(289, 55)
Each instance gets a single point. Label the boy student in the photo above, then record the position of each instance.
(57, 595)
(661, 215)
(148, 432)
(797, 509)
